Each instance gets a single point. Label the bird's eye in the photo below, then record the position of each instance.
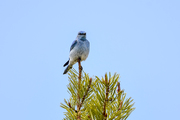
(81, 33)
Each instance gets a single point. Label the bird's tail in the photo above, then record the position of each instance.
(67, 69)
(66, 63)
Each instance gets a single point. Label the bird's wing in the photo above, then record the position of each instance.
(73, 44)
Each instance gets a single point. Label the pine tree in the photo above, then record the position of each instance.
(96, 99)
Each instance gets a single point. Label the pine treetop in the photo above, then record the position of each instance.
(96, 99)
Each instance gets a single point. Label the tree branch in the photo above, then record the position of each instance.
(106, 97)
(79, 88)
(71, 107)
(90, 80)
(118, 91)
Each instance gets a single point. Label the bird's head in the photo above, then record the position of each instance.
(81, 35)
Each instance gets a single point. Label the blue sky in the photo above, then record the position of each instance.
(139, 39)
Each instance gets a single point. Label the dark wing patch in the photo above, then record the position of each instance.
(73, 44)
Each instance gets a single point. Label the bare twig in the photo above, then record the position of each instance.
(80, 70)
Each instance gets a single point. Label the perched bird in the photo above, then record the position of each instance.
(78, 50)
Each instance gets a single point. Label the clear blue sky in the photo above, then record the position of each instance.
(139, 39)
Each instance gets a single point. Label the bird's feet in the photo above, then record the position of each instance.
(81, 68)
(79, 59)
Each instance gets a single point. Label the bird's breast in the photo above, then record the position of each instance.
(80, 50)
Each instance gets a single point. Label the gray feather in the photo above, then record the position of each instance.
(73, 44)
(67, 69)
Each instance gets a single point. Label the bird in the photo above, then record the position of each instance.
(78, 50)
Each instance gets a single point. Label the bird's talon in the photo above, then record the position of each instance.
(81, 68)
